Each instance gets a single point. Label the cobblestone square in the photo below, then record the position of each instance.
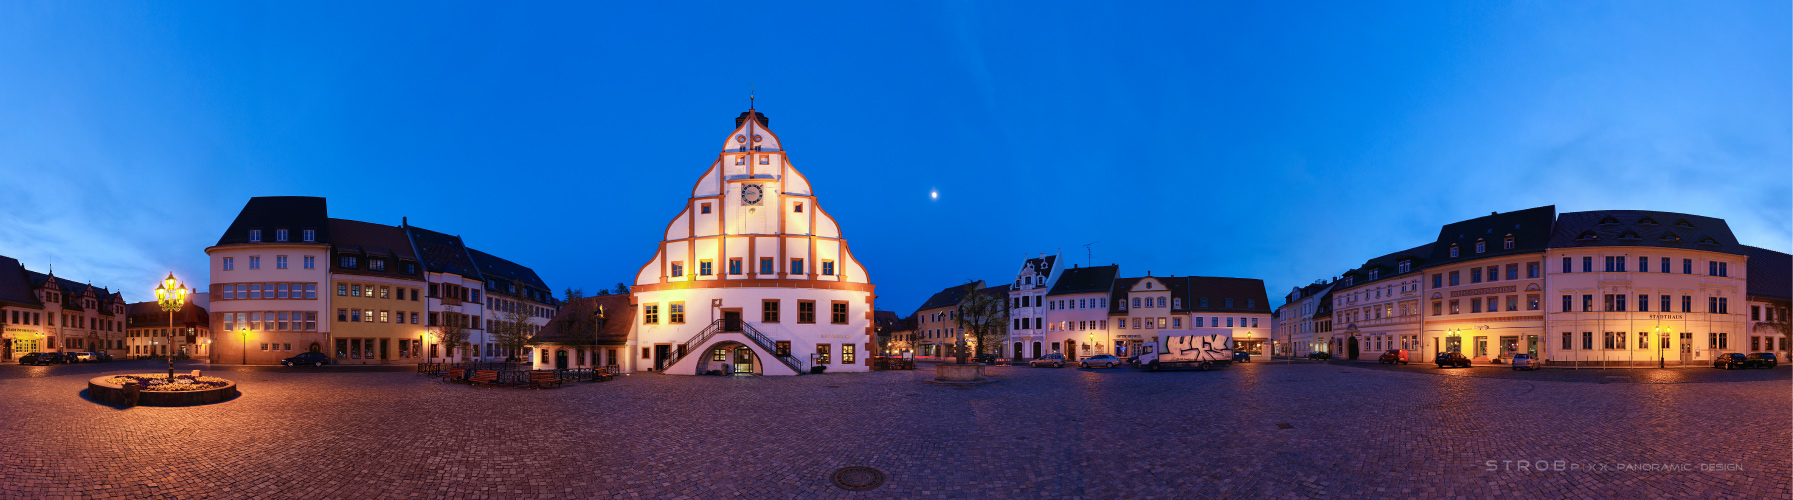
(1037, 433)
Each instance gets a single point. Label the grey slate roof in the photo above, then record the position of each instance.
(442, 253)
(948, 297)
(1770, 274)
(15, 287)
(496, 270)
(1085, 280)
(1243, 291)
(1388, 264)
(1530, 229)
(267, 213)
(1644, 228)
(615, 330)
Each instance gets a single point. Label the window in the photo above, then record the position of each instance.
(1455, 308)
(1480, 246)
(1587, 340)
(1665, 304)
(1686, 266)
(1475, 275)
(797, 207)
(828, 268)
(1643, 303)
(796, 266)
(822, 354)
(310, 262)
(376, 265)
(1512, 271)
(347, 262)
(1533, 302)
(310, 235)
(1568, 341)
(678, 268)
(280, 262)
(1531, 270)
(255, 236)
(1508, 244)
(767, 267)
(650, 315)
(1453, 251)
(806, 311)
(255, 262)
(847, 353)
(703, 268)
(1587, 264)
(1587, 303)
(734, 266)
(838, 313)
(1437, 281)
(1512, 302)
(675, 313)
(1567, 266)
(1454, 278)
(1686, 303)
(765, 159)
(704, 208)
(1475, 305)
(229, 263)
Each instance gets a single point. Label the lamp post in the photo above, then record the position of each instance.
(243, 333)
(172, 296)
(1662, 334)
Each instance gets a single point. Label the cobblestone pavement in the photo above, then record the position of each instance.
(1036, 433)
(1670, 375)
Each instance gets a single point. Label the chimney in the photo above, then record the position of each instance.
(404, 222)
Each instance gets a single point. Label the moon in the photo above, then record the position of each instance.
(934, 194)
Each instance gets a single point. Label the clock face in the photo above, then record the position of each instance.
(751, 194)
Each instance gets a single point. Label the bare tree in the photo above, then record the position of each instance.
(451, 332)
(983, 318)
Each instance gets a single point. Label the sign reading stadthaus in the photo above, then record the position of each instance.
(1484, 291)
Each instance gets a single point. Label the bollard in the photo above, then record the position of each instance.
(131, 392)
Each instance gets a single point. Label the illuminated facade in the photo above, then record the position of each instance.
(1483, 285)
(1027, 307)
(752, 276)
(1643, 288)
(1077, 313)
(1138, 308)
(1770, 298)
(146, 331)
(1377, 306)
(1295, 319)
(43, 313)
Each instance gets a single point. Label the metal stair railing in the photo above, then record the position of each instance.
(698, 339)
(771, 347)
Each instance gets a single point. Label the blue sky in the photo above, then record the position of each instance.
(1286, 142)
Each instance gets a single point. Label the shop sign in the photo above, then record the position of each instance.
(1666, 316)
(1485, 291)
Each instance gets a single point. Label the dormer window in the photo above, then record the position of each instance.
(310, 235)
(410, 268)
(348, 262)
(1204, 302)
(1453, 250)
(280, 235)
(1647, 220)
(1481, 246)
(1404, 266)
(1028, 280)
(1587, 236)
(1374, 274)
(255, 236)
(1709, 241)
(376, 265)
(1609, 220)
(1629, 235)
(1670, 237)
(1508, 243)
(1176, 303)
(1683, 223)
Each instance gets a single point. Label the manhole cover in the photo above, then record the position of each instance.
(858, 478)
(1284, 426)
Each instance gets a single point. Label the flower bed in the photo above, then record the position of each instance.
(156, 390)
(158, 382)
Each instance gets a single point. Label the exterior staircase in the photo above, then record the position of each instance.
(722, 327)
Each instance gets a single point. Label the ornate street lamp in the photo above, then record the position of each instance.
(1662, 335)
(243, 333)
(172, 296)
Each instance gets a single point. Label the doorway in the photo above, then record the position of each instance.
(1686, 347)
(743, 361)
(731, 320)
(560, 359)
(1351, 347)
(1036, 350)
(662, 352)
(1018, 351)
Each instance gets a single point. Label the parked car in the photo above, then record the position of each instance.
(307, 358)
(1100, 361)
(1730, 360)
(82, 357)
(1450, 359)
(1760, 360)
(988, 359)
(102, 357)
(41, 358)
(1320, 355)
(1393, 356)
(1241, 357)
(1052, 360)
(1525, 362)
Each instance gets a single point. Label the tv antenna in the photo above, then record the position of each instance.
(1086, 254)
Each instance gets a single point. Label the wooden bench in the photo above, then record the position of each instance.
(455, 375)
(542, 378)
(603, 375)
(486, 377)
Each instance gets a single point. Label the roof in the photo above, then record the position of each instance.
(1644, 228)
(442, 253)
(151, 315)
(1042, 265)
(1530, 229)
(618, 315)
(1242, 290)
(890, 321)
(370, 238)
(267, 213)
(492, 266)
(1085, 280)
(15, 288)
(1770, 274)
(947, 297)
(997, 292)
(1388, 264)
(1117, 293)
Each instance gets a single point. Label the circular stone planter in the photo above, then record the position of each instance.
(114, 394)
